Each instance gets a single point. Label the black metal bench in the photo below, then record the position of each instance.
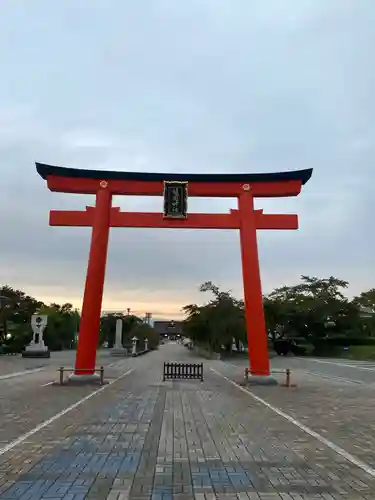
(177, 371)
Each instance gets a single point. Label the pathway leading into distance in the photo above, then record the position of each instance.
(139, 438)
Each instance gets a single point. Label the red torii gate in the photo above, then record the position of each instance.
(105, 184)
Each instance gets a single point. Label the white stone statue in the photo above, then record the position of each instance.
(37, 347)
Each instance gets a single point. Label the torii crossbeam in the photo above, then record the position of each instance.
(175, 188)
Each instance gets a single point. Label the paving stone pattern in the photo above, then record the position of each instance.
(144, 439)
(25, 402)
(338, 410)
(343, 411)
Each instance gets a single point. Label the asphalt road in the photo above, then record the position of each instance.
(13, 365)
(348, 371)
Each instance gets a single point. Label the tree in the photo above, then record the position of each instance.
(275, 313)
(366, 299)
(366, 304)
(62, 326)
(15, 315)
(108, 328)
(217, 322)
(142, 331)
(316, 309)
(15, 318)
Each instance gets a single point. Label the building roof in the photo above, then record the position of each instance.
(164, 326)
(49, 170)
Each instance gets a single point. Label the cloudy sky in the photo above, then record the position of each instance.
(187, 86)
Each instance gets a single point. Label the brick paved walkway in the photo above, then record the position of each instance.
(140, 438)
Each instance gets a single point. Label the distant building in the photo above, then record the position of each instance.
(171, 329)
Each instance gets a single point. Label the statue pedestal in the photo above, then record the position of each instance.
(119, 351)
(36, 350)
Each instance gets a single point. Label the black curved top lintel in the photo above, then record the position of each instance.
(48, 170)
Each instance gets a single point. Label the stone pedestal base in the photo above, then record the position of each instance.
(36, 353)
(258, 380)
(84, 379)
(119, 351)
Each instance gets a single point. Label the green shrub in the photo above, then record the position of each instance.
(362, 352)
(360, 341)
(342, 342)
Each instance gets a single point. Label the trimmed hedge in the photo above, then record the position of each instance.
(361, 352)
(11, 349)
(323, 347)
(345, 341)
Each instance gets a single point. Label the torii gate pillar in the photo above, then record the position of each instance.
(257, 339)
(92, 299)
